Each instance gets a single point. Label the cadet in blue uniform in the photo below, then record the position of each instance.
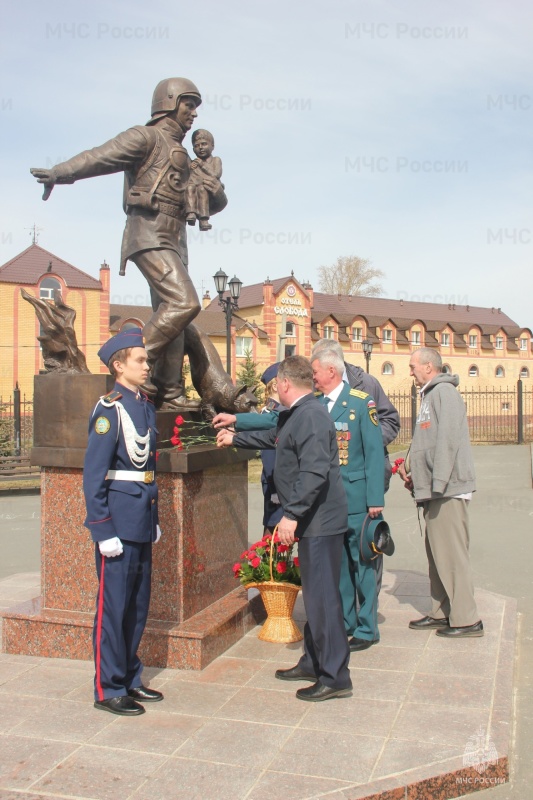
(360, 444)
(121, 499)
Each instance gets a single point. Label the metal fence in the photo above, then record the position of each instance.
(495, 415)
(16, 424)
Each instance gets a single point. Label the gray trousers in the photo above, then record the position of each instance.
(450, 576)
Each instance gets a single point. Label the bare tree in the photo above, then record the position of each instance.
(351, 275)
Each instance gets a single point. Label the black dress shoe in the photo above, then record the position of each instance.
(145, 695)
(464, 632)
(319, 691)
(294, 674)
(427, 623)
(125, 706)
(356, 644)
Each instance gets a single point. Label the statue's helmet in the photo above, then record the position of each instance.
(167, 95)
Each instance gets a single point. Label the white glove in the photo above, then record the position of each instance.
(157, 534)
(111, 547)
(275, 499)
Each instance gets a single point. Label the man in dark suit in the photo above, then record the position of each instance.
(361, 458)
(307, 477)
(121, 499)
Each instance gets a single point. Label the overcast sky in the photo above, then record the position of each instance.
(397, 131)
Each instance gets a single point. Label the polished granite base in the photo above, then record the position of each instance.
(29, 629)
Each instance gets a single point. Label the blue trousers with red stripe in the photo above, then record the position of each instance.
(121, 611)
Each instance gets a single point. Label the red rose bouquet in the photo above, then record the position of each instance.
(254, 564)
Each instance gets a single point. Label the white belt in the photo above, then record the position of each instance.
(129, 475)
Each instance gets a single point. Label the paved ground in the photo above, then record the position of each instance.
(233, 731)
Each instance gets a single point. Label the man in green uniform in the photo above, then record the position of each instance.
(360, 443)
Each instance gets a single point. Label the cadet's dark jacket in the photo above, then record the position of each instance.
(127, 509)
(306, 473)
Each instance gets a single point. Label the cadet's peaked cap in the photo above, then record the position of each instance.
(270, 373)
(375, 539)
(132, 337)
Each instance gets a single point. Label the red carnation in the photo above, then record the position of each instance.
(281, 567)
(245, 554)
(296, 561)
(255, 562)
(282, 548)
(179, 420)
(157, 454)
(175, 440)
(236, 568)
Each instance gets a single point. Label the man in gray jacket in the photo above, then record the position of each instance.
(440, 473)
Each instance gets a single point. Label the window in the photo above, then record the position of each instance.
(415, 338)
(387, 369)
(499, 343)
(387, 336)
(472, 340)
(243, 345)
(446, 369)
(290, 350)
(506, 406)
(524, 372)
(46, 289)
(445, 339)
(329, 331)
(289, 329)
(523, 344)
(357, 334)
(499, 372)
(473, 371)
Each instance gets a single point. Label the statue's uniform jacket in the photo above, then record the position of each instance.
(156, 170)
(128, 510)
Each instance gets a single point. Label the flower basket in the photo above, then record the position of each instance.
(279, 596)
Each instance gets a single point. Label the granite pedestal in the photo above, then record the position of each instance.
(196, 612)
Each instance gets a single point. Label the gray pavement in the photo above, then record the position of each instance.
(501, 523)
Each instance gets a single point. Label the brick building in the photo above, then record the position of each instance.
(39, 272)
(276, 318)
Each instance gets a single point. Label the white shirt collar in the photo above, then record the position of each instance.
(298, 398)
(334, 394)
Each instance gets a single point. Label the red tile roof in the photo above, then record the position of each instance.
(377, 310)
(33, 263)
(400, 310)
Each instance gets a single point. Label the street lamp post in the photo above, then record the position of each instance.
(367, 350)
(229, 304)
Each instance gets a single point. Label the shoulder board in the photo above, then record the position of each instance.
(357, 393)
(318, 394)
(112, 397)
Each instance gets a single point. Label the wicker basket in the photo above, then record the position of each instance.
(279, 598)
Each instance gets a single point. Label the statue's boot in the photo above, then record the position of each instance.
(180, 403)
(150, 389)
